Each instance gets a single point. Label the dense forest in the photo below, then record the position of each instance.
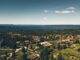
(40, 42)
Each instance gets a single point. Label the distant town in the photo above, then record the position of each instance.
(39, 43)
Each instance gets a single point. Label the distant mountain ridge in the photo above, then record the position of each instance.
(34, 27)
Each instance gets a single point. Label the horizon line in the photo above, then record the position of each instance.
(39, 24)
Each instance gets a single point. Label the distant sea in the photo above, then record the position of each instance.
(11, 27)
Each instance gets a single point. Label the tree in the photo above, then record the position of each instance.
(25, 53)
(13, 54)
(45, 52)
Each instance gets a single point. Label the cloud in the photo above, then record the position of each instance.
(44, 18)
(69, 10)
(64, 11)
(46, 11)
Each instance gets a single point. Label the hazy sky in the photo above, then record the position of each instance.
(40, 12)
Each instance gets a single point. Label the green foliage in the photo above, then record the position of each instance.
(70, 53)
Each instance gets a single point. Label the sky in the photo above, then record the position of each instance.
(40, 12)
